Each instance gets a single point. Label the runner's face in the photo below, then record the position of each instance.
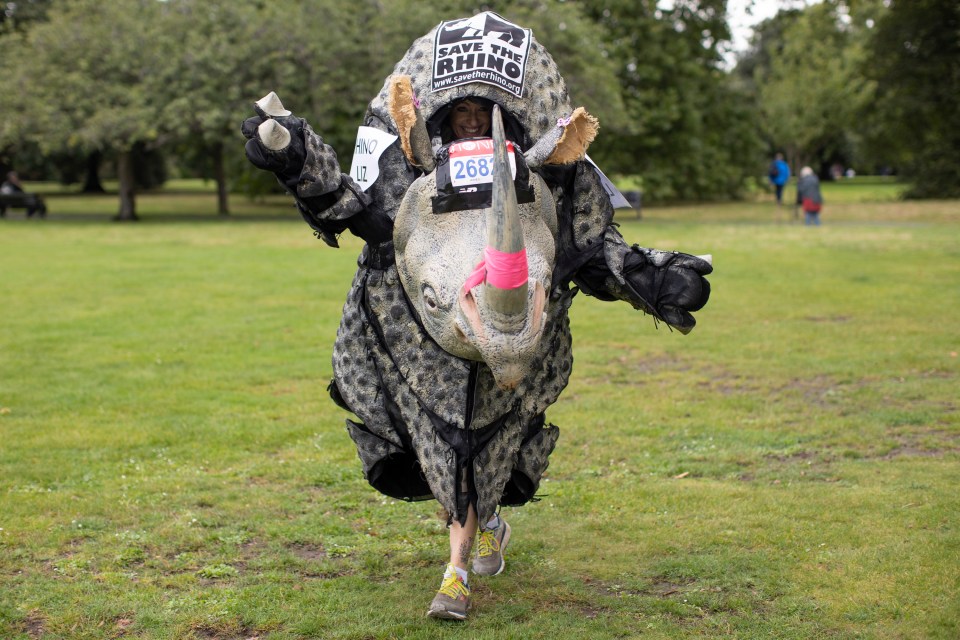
(470, 120)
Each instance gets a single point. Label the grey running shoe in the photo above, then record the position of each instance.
(452, 600)
(491, 547)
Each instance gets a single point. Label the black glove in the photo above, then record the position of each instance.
(670, 283)
(286, 163)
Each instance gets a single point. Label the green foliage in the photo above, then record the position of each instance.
(915, 61)
(689, 130)
(173, 467)
(20, 15)
(848, 79)
(809, 83)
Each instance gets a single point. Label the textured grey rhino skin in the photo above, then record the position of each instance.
(429, 422)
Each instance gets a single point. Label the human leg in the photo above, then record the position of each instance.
(461, 539)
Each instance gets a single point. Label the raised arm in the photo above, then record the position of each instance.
(329, 201)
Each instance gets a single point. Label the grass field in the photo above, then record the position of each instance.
(173, 468)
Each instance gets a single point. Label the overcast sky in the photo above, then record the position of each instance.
(743, 14)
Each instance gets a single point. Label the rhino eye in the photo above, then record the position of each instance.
(430, 299)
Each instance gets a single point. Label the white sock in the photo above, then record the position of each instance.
(461, 573)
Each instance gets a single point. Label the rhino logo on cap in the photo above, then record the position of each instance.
(484, 48)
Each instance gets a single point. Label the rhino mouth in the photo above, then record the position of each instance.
(510, 349)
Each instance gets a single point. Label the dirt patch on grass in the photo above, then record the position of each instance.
(320, 563)
(827, 319)
(121, 626)
(663, 588)
(228, 632)
(660, 587)
(33, 625)
(308, 551)
(929, 442)
(647, 366)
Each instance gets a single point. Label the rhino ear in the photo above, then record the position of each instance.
(414, 139)
(567, 142)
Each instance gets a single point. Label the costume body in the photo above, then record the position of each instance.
(431, 423)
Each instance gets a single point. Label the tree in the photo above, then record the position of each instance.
(687, 131)
(227, 52)
(805, 67)
(18, 16)
(915, 61)
(84, 80)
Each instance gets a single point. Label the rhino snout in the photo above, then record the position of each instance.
(510, 354)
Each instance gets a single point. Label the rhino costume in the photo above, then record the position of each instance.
(449, 377)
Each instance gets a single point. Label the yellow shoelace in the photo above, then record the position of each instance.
(452, 587)
(487, 544)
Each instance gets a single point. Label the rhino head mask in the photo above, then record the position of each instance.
(479, 278)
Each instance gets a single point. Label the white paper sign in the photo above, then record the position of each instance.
(371, 143)
(484, 48)
(616, 198)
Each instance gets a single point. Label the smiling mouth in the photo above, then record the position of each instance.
(471, 132)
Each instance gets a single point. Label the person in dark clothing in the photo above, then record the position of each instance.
(12, 186)
(808, 196)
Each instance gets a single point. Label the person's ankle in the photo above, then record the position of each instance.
(462, 573)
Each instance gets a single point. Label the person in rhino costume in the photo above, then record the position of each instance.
(449, 372)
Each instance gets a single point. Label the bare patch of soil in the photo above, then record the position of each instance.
(34, 625)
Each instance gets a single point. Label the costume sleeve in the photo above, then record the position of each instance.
(665, 284)
(591, 252)
(331, 202)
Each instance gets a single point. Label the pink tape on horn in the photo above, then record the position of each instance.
(502, 270)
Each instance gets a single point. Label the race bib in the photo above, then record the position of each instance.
(471, 162)
(464, 176)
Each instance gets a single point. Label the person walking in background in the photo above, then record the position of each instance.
(779, 174)
(808, 196)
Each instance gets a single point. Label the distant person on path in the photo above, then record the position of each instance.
(12, 186)
(808, 196)
(779, 174)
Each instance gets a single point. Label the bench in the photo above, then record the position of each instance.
(29, 201)
(635, 198)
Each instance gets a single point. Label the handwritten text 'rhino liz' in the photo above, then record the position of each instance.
(485, 48)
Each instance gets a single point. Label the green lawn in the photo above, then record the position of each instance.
(173, 468)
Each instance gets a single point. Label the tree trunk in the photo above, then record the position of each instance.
(92, 182)
(128, 205)
(220, 175)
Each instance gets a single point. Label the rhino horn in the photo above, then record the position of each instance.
(505, 235)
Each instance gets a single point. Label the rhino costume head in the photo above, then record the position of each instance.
(437, 252)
